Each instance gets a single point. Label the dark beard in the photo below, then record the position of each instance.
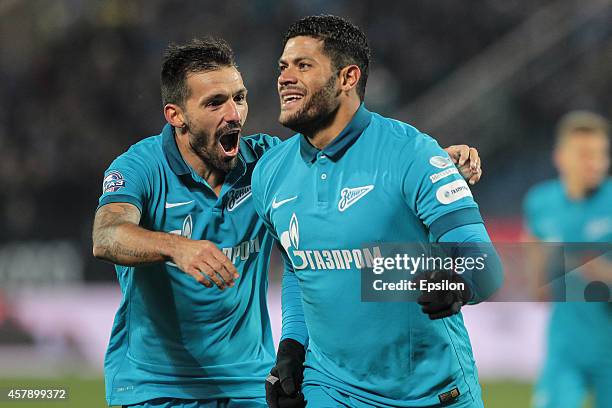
(318, 113)
(199, 143)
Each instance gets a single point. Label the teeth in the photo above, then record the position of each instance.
(290, 98)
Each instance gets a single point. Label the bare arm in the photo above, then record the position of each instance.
(118, 238)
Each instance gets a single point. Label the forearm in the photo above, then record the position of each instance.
(118, 237)
(294, 325)
(129, 244)
(477, 244)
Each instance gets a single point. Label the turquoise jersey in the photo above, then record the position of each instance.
(579, 329)
(173, 337)
(380, 181)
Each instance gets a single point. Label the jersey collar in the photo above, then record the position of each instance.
(173, 155)
(342, 142)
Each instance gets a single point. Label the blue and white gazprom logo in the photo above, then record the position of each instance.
(113, 182)
(187, 229)
(453, 191)
(326, 259)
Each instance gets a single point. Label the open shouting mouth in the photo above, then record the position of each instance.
(230, 142)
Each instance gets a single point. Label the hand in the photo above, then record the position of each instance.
(439, 304)
(205, 262)
(467, 161)
(283, 385)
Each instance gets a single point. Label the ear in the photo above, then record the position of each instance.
(174, 115)
(349, 77)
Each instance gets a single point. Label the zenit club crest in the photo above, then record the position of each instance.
(237, 197)
(349, 196)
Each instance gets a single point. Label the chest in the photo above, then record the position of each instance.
(577, 222)
(343, 204)
(185, 207)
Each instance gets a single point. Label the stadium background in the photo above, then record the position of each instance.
(79, 84)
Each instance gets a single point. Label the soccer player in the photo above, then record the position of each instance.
(348, 178)
(576, 207)
(176, 217)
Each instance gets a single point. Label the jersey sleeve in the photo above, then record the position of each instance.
(433, 187)
(473, 242)
(293, 322)
(126, 181)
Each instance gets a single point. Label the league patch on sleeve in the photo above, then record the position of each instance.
(113, 182)
(440, 162)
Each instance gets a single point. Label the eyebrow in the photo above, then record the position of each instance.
(221, 95)
(295, 60)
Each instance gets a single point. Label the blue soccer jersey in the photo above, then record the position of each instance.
(379, 181)
(580, 333)
(173, 337)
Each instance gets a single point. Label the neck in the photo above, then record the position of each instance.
(324, 136)
(213, 176)
(574, 190)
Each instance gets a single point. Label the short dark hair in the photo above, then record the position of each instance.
(343, 42)
(583, 122)
(198, 55)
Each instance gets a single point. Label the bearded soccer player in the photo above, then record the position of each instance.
(191, 254)
(576, 208)
(351, 177)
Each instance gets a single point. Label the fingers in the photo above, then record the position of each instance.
(455, 152)
(464, 155)
(226, 266)
(217, 272)
(209, 265)
(198, 276)
(475, 178)
(474, 160)
(211, 273)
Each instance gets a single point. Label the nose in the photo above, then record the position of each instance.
(286, 77)
(232, 114)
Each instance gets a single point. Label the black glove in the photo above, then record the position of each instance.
(284, 384)
(442, 303)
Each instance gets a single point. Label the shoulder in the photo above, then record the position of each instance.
(403, 136)
(542, 193)
(272, 164)
(410, 149)
(258, 144)
(275, 156)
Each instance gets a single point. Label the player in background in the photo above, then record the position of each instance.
(176, 217)
(576, 207)
(348, 178)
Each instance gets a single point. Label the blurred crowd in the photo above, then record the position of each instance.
(79, 83)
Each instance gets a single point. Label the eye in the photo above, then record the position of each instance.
(303, 66)
(240, 98)
(214, 103)
(281, 68)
